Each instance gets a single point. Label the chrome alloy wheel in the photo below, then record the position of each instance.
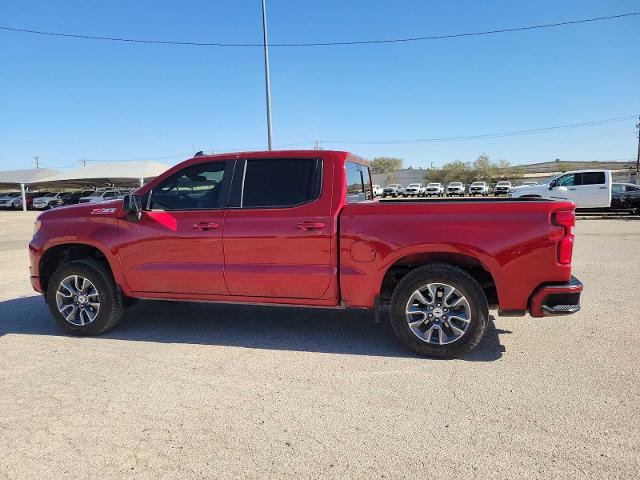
(77, 300)
(438, 313)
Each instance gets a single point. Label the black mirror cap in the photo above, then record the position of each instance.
(552, 184)
(132, 203)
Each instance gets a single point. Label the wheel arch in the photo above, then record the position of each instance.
(469, 263)
(63, 253)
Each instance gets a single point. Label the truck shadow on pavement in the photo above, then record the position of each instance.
(352, 332)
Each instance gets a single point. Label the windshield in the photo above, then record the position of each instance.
(414, 184)
(394, 185)
(52, 194)
(502, 184)
(478, 184)
(455, 184)
(433, 185)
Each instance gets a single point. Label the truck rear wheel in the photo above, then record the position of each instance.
(439, 311)
(83, 299)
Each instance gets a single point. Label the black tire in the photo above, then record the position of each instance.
(111, 309)
(457, 278)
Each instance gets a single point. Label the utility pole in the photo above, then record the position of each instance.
(83, 161)
(318, 145)
(35, 160)
(638, 157)
(266, 72)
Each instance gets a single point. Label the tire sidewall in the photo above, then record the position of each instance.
(455, 277)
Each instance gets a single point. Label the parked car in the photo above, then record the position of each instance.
(6, 199)
(29, 196)
(377, 191)
(586, 188)
(435, 189)
(414, 190)
(100, 196)
(479, 188)
(625, 196)
(392, 190)
(455, 188)
(528, 183)
(69, 198)
(502, 188)
(207, 230)
(43, 202)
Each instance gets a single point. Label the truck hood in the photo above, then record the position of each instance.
(530, 188)
(104, 209)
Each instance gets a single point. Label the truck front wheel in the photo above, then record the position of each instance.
(439, 311)
(83, 298)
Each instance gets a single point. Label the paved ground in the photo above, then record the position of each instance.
(202, 391)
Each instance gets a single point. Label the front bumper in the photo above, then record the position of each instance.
(556, 299)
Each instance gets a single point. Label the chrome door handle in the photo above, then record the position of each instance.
(310, 226)
(205, 226)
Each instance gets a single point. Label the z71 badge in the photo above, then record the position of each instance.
(102, 211)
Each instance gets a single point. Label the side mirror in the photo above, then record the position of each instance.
(552, 185)
(132, 204)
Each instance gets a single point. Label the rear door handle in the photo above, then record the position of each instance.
(310, 226)
(205, 226)
(602, 188)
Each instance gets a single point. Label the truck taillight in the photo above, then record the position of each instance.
(567, 220)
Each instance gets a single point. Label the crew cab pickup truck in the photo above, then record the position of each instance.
(301, 228)
(585, 188)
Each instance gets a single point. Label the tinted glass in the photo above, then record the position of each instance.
(617, 188)
(592, 178)
(358, 182)
(193, 188)
(566, 180)
(281, 182)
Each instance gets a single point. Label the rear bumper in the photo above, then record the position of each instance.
(556, 299)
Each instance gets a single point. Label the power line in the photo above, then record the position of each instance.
(485, 135)
(321, 44)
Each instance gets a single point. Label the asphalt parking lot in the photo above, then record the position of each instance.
(183, 390)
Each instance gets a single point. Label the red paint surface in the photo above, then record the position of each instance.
(262, 256)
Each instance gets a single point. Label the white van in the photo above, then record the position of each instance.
(586, 188)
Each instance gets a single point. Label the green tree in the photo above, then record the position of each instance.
(385, 164)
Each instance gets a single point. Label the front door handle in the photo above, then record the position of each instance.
(205, 226)
(572, 189)
(602, 188)
(310, 226)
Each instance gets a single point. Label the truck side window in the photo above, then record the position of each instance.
(281, 182)
(592, 178)
(358, 183)
(196, 187)
(567, 180)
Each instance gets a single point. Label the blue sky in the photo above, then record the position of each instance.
(65, 99)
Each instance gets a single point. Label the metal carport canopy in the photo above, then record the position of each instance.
(106, 174)
(23, 178)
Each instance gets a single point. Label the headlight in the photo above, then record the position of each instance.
(36, 226)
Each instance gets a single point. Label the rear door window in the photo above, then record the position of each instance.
(280, 182)
(592, 178)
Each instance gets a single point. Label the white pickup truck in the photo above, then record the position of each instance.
(414, 190)
(435, 188)
(586, 188)
(479, 188)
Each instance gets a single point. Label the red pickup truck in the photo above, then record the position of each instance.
(301, 228)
